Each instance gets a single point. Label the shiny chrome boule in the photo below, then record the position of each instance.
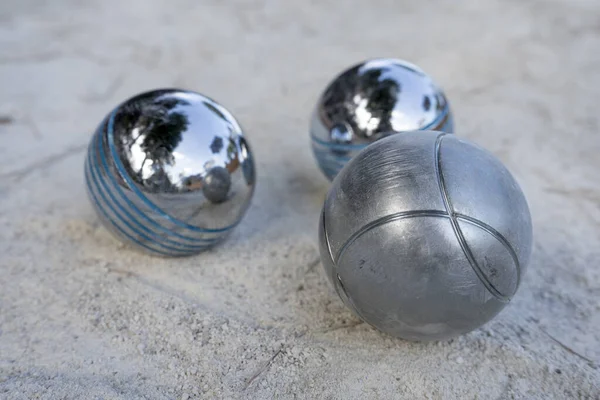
(170, 172)
(425, 235)
(371, 100)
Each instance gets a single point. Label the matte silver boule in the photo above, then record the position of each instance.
(369, 101)
(170, 172)
(425, 236)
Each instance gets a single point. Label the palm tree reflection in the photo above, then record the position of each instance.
(365, 101)
(149, 129)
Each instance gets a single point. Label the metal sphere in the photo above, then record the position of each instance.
(425, 235)
(170, 172)
(217, 183)
(369, 101)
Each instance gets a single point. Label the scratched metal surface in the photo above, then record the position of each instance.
(82, 315)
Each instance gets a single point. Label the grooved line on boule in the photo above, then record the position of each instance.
(334, 274)
(384, 220)
(424, 213)
(336, 278)
(456, 227)
(498, 236)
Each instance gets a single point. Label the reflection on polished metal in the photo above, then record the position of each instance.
(170, 171)
(425, 236)
(371, 100)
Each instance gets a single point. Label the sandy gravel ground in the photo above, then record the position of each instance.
(82, 316)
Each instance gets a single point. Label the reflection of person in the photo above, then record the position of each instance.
(233, 162)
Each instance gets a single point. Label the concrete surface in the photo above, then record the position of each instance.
(81, 316)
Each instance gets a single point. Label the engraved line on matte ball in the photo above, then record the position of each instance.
(92, 172)
(457, 231)
(108, 218)
(136, 190)
(336, 278)
(153, 236)
(134, 206)
(334, 269)
(498, 236)
(384, 220)
(338, 282)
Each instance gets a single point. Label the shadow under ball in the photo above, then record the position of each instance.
(369, 101)
(425, 236)
(170, 172)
